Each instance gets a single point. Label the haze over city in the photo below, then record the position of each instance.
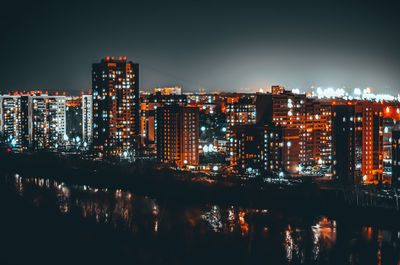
(220, 45)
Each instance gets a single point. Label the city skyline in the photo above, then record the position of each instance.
(225, 47)
(200, 132)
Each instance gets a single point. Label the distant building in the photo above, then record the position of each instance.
(176, 90)
(316, 136)
(115, 87)
(396, 157)
(343, 144)
(13, 115)
(33, 121)
(178, 135)
(369, 140)
(257, 150)
(240, 112)
(388, 124)
(48, 121)
(87, 118)
(148, 107)
(287, 110)
(276, 90)
(74, 118)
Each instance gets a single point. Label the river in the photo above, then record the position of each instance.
(44, 221)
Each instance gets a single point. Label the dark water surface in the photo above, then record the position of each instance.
(46, 222)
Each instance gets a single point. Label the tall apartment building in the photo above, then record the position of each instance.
(344, 144)
(74, 118)
(148, 107)
(33, 121)
(48, 121)
(14, 132)
(115, 87)
(87, 118)
(316, 136)
(257, 150)
(396, 157)
(357, 130)
(178, 135)
(238, 112)
(369, 140)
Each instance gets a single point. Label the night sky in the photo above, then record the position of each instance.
(226, 45)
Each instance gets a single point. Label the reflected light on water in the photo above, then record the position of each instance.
(300, 240)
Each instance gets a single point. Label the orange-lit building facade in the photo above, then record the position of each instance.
(396, 157)
(358, 141)
(369, 140)
(176, 90)
(276, 90)
(115, 87)
(316, 134)
(257, 150)
(289, 111)
(239, 111)
(178, 135)
(148, 124)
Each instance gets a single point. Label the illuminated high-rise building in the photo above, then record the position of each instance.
(289, 112)
(396, 157)
(178, 135)
(388, 124)
(343, 144)
(176, 90)
(276, 90)
(115, 87)
(316, 136)
(148, 106)
(13, 114)
(87, 118)
(74, 118)
(358, 141)
(238, 112)
(257, 150)
(48, 121)
(369, 140)
(391, 114)
(33, 121)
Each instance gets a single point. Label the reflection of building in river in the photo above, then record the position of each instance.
(323, 237)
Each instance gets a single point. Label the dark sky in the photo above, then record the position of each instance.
(50, 45)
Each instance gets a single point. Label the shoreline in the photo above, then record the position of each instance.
(169, 185)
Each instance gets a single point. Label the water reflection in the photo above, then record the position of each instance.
(259, 233)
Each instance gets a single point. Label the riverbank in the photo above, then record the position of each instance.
(164, 184)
